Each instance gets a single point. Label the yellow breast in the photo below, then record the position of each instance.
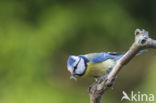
(95, 69)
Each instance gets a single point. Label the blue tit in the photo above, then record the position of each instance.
(93, 64)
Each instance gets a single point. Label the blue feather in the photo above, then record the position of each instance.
(103, 57)
(85, 59)
(100, 58)
(111, 55)
(70, 61)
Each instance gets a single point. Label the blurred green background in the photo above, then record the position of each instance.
(37, 36)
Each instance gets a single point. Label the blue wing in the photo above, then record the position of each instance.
(100, 57)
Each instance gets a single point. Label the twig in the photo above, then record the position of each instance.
(142, 41)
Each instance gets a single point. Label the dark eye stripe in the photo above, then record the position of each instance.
(76, 65)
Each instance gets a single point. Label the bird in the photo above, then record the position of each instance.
(93, 65)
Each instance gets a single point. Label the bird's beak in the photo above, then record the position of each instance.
(73, 76)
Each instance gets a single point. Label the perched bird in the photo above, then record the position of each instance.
(93, 64)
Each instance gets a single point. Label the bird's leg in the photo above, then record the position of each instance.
(98, 80)
(109, 70)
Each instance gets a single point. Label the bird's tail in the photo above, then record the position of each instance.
(120, 56)
(142, 51)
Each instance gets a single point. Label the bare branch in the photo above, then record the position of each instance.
(142, 41)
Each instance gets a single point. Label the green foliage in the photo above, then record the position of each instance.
(37, 36)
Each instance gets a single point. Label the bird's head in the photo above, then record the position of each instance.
(76, 65)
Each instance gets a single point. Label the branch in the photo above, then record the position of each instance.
(142, 41)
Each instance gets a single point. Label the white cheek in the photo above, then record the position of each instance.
(76, 60)
(70, 69)
(81, 67)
